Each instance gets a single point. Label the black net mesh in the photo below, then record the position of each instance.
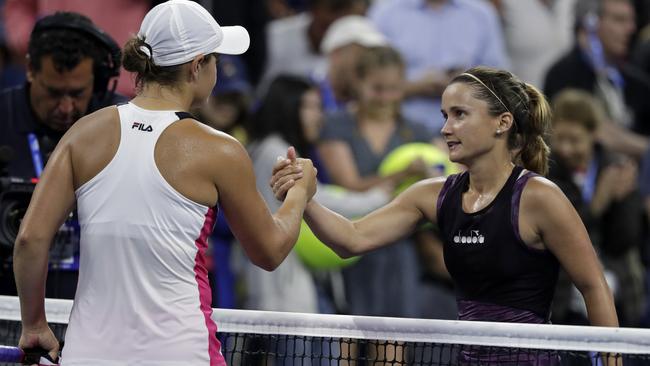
(289, 350)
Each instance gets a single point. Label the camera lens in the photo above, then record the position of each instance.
(11, 215)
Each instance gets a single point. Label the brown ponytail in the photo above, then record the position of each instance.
(534, 150)
(135, 59)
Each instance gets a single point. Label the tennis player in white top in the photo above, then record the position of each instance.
(146, 177)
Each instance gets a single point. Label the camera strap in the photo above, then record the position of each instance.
(37, 158)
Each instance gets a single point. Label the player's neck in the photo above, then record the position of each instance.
(157, 97)
(489, 174)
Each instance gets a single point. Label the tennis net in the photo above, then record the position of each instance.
(272, 338)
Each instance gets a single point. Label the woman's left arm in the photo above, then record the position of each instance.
(554, 220)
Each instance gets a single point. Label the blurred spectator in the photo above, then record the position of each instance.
(353, 144)
(293, 42)
(66, 60)
(537, 33)
(439, 38)
(597, 64)
(355, 141)
(602, 186)
(119, 18)
(228, 108)
(287, 109)
(291, 115)
(343, 43)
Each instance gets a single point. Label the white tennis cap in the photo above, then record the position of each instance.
(352, 29)
(179, 30)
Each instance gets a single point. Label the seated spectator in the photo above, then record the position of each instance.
(228, 107)
(598, 65)
(291, 115)
(537, 33)
(343, 43)
(353, 144)
(69, 65)
(438, 38)
(602, 186)
(293, 42)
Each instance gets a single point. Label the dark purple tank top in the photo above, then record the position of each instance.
(497, 276)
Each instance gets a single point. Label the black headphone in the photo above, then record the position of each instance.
(104, 70)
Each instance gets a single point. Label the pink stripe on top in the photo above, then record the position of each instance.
(205, 293)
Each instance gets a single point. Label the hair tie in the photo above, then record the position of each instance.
(146, 49)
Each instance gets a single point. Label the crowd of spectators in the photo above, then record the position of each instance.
(346, 82)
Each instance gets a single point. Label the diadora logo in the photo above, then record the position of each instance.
(141, 127)
(474, 237)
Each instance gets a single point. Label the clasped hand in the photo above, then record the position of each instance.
(291, 171)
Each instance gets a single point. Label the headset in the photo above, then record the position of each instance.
(105, 69)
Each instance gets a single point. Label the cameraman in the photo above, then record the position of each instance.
(68, 67)
(70, 64)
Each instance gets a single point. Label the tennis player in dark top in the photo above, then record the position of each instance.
(506, 229)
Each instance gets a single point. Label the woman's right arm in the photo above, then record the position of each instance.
(379, 228)
(375, 230)
(266, 238)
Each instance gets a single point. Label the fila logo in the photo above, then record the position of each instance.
(474, 237)
(142, 127)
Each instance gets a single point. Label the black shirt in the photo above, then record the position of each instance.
(484, 253)
(17, 121)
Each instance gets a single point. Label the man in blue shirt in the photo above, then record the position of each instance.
(437, 39)
(598, 64)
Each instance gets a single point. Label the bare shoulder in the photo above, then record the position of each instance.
(541, 192)
(424, 195)
(94, 127)
(428, 186)
(207, 144)
(543, 203)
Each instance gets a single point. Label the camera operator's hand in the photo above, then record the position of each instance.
(41, 337)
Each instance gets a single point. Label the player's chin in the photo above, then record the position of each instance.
(455, 154)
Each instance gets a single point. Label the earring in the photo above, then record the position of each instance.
(498, 132)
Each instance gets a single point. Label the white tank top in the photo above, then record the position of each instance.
(143, 296)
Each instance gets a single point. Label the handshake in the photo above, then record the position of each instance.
(291, 173)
